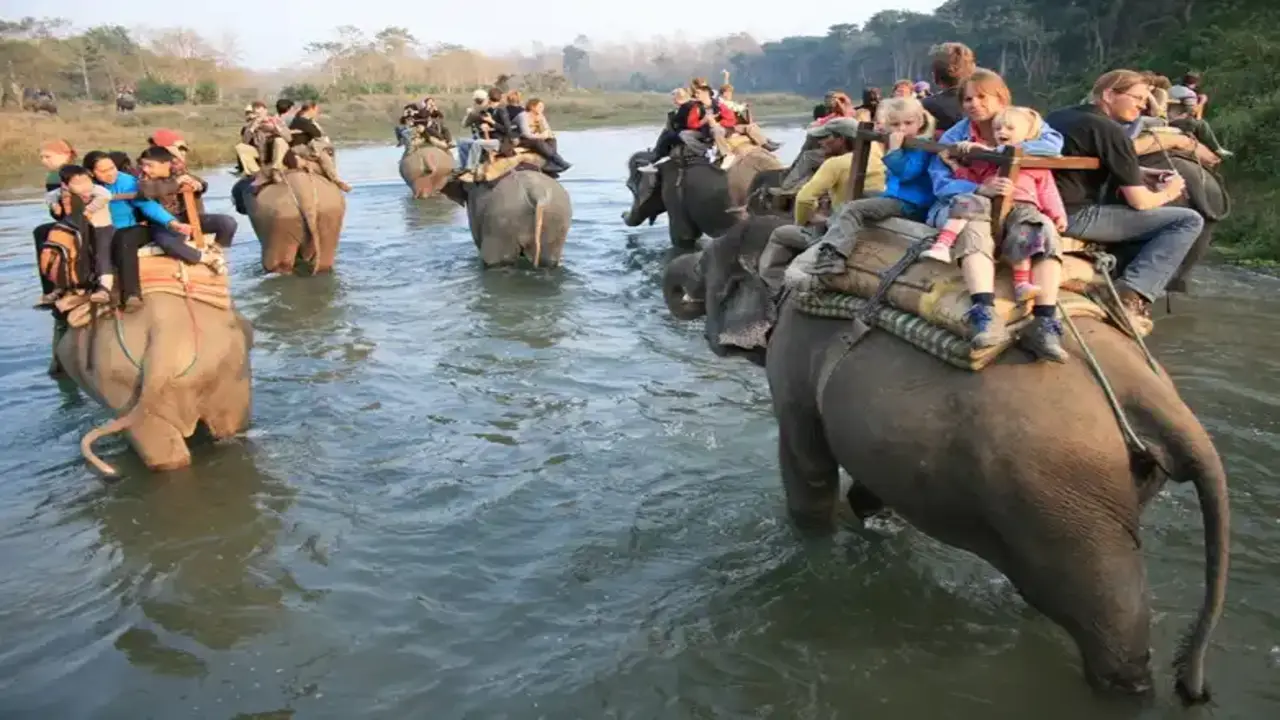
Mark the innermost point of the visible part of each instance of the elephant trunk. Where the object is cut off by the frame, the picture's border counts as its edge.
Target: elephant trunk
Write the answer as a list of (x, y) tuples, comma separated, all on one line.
[(683, 287), (1199, 461)]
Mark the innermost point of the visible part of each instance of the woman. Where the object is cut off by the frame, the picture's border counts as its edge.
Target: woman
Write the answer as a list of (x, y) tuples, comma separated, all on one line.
[(983, 96), (670, 134), (535, 134), (125, 208)]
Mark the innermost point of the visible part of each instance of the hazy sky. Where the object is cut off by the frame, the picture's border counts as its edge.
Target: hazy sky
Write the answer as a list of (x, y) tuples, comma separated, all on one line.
[(272, 33)]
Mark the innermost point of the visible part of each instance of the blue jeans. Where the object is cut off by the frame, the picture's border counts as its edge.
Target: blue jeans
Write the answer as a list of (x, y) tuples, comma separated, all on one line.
[(464, 149), (1166, 234)]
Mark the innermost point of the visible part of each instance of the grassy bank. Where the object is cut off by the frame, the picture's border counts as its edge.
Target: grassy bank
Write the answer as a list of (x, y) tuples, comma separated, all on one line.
[(212, 131)]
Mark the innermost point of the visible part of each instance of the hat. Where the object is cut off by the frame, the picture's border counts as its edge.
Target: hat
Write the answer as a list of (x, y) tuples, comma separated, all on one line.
[(480, 95), (921, 86), (165, 137), (847, 127)]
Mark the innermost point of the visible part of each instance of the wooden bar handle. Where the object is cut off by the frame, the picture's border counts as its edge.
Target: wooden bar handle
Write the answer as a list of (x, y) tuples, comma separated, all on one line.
[(193, 218)]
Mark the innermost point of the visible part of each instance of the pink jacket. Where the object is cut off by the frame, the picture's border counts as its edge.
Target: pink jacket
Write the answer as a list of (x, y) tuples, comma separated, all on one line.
[(1032, 186)]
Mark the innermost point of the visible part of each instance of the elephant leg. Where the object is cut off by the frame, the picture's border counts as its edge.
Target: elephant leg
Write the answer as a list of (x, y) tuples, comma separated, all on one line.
[(1087, 576), (225, 409), (159, 443), (280, 257), (862, 501), (810, 474)]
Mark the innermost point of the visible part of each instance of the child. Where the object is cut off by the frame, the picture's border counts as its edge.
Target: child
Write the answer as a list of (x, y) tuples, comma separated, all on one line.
[(1035, 190), (159, 183), (1031, 231), (78, 182), (746, 125), (908, 191)]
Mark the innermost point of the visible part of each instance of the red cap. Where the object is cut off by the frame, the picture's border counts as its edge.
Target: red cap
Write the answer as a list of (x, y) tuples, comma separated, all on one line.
[(165, 137)]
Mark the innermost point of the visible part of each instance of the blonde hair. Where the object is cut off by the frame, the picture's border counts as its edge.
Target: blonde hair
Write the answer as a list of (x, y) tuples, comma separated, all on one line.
[(906, 106), (1034, 122), (1117, 81), (990, 82), (514, 98)]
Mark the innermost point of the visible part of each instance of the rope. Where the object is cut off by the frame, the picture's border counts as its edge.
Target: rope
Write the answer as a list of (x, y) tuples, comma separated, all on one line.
[(195, 329), (1105, 263), (1131, 438)]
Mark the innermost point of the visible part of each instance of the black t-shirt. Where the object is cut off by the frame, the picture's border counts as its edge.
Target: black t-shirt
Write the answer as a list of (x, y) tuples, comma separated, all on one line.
[(304, 131), (1087, 132), (946, 107)]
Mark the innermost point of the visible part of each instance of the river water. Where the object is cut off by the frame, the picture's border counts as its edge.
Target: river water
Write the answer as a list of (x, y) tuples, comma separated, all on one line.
[(510, 494)]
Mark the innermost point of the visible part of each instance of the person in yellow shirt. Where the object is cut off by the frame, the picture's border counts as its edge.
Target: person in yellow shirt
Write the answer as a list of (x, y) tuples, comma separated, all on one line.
[(832, 178)]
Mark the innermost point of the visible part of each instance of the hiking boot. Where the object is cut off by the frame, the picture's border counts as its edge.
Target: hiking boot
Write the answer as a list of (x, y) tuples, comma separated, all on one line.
[(1138, 309), (1022, 292), (133, 303), (1043, 338), (829, 261), (987, 329), (939, 252)]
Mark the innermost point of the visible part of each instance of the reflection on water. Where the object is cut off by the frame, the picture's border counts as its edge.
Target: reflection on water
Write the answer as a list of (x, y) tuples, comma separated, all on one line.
[(522, 494)]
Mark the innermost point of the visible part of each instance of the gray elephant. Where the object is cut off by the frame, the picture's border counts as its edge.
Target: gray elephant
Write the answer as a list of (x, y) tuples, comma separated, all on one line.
[(524, 213), (1021, 464), (1206, 194), (165, 367), (698, 198), (426, 169), (299, 219)]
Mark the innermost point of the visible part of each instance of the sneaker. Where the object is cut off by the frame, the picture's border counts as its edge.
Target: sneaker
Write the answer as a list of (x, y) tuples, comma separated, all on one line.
[(1043, 338), (47, 300), (467, 177), (1225, 153), (1138, 309), (101, 296), (939, 252), (772, 146), (987, 329), (648, 169), (1022, 292)]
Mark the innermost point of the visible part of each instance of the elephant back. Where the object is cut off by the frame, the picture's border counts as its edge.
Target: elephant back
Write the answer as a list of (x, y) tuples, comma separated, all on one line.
[(1206, 190), (424, 161), (306, 205)]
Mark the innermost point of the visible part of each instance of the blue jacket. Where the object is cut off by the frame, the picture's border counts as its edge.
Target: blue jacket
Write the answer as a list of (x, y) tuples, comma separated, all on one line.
[(907, 177), (122, 211), (947, 186)]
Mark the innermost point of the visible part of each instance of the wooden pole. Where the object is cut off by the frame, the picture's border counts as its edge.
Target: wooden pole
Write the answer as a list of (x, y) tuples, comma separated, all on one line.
[(193, 219)]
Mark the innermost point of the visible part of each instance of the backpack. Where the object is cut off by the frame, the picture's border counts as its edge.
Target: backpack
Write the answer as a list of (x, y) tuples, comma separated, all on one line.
[(63, 258)]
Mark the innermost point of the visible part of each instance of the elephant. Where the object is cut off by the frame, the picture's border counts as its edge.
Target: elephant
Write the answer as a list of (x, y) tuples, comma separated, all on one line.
[(426, 169), (1206, 194), (126, 102), (716, 199), (299, 219), (37, 101), (1021, 464), (525, 212), (197, 370)]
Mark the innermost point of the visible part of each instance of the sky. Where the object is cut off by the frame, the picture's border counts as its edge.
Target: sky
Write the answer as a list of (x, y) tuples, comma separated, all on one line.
[(274, 35)]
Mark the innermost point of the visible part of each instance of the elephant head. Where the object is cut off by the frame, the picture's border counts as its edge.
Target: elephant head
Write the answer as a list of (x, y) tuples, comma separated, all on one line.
[(299, 219), (723, 283), (646, 195), (1206, 194), (525, 213)]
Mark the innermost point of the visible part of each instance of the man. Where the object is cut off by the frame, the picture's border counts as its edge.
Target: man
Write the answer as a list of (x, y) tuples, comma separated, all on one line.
[(490, 126), (1123, 201), (263, 139), (1183, 102), (309, 141), (431, 120), (953, 63)]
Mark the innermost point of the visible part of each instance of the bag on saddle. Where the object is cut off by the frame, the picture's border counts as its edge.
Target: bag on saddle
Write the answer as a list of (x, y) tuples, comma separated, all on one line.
[(64, 258)]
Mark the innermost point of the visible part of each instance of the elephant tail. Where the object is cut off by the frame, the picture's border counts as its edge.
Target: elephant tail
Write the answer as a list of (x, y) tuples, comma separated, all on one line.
[(308, 210), (539, 203), (119, 424), (1197, 460)]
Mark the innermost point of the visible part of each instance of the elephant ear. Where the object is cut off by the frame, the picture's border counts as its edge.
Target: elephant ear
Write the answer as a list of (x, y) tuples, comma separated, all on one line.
[(455, 192)]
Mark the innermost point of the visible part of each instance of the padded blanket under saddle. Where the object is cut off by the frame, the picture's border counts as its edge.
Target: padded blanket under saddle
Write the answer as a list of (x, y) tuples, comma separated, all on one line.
[(498, 167), (927, 303), (159, 274)]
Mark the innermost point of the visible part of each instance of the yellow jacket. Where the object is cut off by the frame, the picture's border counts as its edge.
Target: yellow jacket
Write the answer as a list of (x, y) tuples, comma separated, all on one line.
[(833, 177)]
